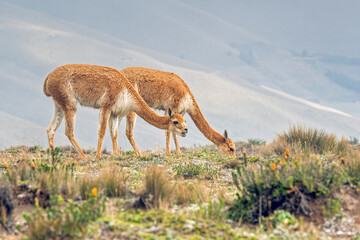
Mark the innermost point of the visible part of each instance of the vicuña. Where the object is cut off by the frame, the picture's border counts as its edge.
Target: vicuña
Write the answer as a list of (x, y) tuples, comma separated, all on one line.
[(162, 90), (103, 88)]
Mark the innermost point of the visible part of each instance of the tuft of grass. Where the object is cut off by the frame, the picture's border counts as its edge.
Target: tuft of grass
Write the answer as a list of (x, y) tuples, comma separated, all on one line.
[(158, 187), (113, 182), (214, 210), (191, 192), (58, 181), (86, 184), (309, 140), (352, 167)]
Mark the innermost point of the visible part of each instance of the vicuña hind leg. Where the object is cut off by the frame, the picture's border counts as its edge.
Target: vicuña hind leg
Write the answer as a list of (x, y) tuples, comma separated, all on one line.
[(69, 130), (130, 123), (103, 119), (176, 140), (167, 134), (54, 124), (114, 122)]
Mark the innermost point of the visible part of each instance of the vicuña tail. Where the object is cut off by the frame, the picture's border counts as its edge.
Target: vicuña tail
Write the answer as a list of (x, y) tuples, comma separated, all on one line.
[(46, 92)]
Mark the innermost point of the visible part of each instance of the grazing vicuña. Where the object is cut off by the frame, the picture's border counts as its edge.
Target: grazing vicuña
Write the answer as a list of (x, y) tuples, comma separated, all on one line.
[(103, 88)]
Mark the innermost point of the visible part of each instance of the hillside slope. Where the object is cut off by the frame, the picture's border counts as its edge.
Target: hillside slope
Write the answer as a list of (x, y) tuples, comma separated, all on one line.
[(237, 89)]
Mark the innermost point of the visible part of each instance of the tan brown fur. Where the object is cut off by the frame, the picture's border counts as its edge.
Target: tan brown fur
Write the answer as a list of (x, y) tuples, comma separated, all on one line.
[(162, 90), (103, 88)]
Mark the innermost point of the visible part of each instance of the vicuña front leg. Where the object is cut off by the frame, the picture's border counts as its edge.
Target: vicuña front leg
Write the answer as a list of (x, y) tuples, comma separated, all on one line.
[(176, 140), (167, 134), (130, 122), (69, 130), (103, 119), (114, 122)]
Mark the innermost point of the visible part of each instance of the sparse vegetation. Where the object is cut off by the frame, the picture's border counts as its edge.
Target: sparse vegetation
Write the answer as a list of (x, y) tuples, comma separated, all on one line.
[(191, 170), (353, 140), (310, 139), (199, 195), (63, 220)]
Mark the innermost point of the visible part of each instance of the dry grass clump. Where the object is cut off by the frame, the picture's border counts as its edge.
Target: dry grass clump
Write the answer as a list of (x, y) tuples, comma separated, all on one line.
[(113, 182), (191, 192), (302, 138), (161, 192), (59, 181), (157, 188), (85, 185), (352, 166)]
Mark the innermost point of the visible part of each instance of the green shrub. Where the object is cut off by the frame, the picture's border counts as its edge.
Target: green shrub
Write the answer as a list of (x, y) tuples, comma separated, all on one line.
[(281, 218), (63, 221), (270, 186), (56, 155)]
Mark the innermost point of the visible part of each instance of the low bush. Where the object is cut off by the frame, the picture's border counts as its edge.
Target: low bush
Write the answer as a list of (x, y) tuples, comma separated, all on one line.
[(63, 221), (272, 186)]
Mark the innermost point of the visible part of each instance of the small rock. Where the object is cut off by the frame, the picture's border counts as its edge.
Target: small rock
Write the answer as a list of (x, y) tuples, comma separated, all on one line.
[(189, 224), (22, 195), (153, 229)]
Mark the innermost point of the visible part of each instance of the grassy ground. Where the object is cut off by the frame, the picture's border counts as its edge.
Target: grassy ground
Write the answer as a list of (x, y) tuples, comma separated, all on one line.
[(303, 185)]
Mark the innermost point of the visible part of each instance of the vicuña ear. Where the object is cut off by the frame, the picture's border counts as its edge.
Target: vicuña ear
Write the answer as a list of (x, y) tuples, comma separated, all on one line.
[(170, 113), (226, 135)]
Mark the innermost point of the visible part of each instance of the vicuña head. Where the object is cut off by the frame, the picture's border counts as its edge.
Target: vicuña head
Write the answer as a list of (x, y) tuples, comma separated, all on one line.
[(177, 125), (227, 146), (103, 88)]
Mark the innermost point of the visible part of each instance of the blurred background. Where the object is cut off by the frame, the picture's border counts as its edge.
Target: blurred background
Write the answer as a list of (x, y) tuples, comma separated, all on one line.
[(254, 67)]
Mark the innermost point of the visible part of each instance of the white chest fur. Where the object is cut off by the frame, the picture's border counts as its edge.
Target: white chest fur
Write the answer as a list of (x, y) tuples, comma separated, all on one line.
[(124, 104), (186, 104)]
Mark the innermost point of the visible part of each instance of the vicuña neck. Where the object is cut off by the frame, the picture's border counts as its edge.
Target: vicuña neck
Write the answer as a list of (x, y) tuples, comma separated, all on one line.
[(151, 117), (203, 125)]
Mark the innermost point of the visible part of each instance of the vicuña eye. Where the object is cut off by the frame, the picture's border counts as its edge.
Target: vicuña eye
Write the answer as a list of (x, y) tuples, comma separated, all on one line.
[(231, 149), (175, 122)]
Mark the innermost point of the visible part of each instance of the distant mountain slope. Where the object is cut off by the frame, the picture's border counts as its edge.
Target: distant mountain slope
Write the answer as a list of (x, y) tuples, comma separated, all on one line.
[(296, 47), (16, 131), (242, 82)]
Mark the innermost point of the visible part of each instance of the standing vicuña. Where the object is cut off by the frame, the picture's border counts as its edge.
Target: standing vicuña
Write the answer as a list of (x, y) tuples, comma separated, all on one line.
[(104, 88), (162, 90)]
